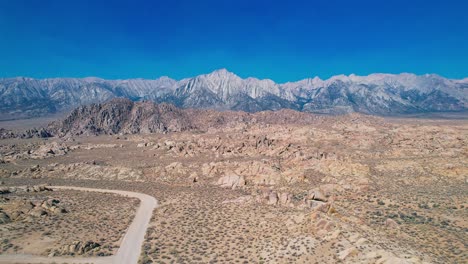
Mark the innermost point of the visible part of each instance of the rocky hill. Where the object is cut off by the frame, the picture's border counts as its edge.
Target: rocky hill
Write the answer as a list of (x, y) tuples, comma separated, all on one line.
[(381, 94), (123, 116)]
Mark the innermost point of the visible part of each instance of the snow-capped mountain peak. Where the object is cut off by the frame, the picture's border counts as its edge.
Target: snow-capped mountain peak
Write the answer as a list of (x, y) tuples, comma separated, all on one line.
[(377, 93)]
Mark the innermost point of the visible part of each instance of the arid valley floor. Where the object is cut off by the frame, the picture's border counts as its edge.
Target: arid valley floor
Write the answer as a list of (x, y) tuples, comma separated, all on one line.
[(336, 189)]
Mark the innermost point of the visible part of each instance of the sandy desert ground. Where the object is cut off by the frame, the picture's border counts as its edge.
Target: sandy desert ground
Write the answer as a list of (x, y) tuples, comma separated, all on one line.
[(346, 189)]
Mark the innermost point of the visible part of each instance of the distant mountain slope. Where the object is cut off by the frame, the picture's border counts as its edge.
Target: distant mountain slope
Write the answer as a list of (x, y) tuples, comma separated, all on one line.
[(381, 94)]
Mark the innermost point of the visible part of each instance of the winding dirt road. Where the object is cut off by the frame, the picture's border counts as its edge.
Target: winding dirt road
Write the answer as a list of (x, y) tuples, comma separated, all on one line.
[(130, 248)]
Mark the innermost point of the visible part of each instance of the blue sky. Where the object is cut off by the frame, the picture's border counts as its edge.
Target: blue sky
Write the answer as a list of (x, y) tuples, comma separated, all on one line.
[(280, 40)]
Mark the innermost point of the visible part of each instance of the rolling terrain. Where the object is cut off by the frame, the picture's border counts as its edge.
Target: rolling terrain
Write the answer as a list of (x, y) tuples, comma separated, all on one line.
[(266, 187)]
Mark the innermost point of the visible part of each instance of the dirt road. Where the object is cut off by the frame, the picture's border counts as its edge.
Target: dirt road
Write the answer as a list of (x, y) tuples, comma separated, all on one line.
[(130, 248)]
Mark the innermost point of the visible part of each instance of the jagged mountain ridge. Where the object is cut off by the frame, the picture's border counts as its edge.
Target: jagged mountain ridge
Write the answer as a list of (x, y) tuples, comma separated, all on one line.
[(381, 94)]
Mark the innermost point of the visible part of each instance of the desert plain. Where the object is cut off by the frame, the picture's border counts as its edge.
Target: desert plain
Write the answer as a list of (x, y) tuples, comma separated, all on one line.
[(332, 189)]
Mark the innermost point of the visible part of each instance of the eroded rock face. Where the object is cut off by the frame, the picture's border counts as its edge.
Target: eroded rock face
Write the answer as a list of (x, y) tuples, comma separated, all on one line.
[(232, 181), (122, 116), (272, 197), (285, 198), (316, 195), (323, 224)]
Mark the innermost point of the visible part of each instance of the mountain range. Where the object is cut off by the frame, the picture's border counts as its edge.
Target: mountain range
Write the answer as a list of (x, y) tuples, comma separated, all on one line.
[(378, 94)]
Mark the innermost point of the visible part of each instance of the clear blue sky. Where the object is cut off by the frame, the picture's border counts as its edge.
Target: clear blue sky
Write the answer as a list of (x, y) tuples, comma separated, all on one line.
[(281, 40)]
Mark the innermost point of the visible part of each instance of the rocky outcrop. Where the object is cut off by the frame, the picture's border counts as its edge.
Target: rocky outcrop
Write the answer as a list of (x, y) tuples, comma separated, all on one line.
[(314, 200), (37, 212), (4, 190), (122, 116), (38, 188), (29, 133), (321, 223), (34, 188), (29, 210), (316, 195), (4, 218), (231, 181), (77, 248), (53, 206), (272, 197), (48, 150)]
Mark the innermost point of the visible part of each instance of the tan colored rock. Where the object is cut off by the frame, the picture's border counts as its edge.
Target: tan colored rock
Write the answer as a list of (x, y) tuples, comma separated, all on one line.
[(273, 198), (330, 189), (176, 168), (319, 206), (231, 181), (322, 226), (392, 224), (319, 196), (193, 177), (50, 149), (37, 212), (349, 252), (285, 198)]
